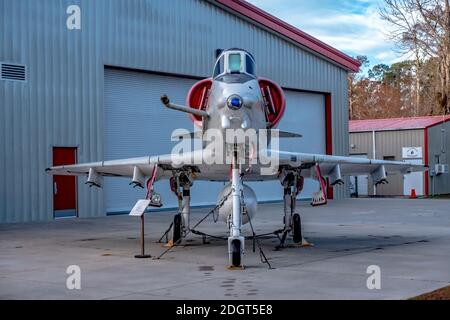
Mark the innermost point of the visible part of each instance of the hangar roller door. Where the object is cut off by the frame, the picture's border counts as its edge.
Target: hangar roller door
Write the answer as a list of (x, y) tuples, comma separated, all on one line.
[(136, 124)]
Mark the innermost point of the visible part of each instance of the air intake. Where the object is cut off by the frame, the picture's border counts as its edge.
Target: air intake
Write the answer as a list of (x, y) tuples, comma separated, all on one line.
[(15, 72)]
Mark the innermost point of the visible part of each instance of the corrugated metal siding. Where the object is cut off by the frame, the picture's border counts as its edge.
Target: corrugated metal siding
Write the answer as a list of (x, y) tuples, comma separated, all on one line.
[(62, 101), (361, 144), (388, 143), (57, 106), (439, 144)]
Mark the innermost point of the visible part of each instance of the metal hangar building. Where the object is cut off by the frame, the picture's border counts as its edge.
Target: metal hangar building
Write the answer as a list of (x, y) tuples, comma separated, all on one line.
[(92, 92), (423, 140)]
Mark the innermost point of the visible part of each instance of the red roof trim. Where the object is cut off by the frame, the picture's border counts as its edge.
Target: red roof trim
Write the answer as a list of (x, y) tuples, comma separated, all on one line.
[(285, 29), (396, 123), (446, 119)]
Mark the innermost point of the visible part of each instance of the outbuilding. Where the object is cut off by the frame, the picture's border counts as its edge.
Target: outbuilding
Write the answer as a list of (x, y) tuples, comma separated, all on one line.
[(424, 140), (81, 81)]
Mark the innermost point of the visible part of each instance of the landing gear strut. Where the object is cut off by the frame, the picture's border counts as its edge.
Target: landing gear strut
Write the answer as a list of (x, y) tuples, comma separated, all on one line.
[(236, 241)]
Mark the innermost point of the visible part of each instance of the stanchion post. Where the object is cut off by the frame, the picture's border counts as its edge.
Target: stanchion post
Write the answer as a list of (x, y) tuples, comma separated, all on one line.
[(142, 255)]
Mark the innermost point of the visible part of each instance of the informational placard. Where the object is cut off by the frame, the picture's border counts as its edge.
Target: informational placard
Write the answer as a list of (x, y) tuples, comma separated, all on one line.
[(412, 153), (139, 208)]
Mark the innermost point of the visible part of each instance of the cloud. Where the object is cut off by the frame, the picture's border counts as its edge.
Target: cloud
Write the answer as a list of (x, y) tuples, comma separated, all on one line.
[(354, 27)]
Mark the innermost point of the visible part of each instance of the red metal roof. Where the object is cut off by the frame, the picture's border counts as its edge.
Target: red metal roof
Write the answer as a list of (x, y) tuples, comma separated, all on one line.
[(254, 13), (396, 123)]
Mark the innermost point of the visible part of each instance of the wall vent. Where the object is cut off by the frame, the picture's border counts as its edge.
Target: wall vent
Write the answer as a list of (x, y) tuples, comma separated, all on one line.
[(15, 72)]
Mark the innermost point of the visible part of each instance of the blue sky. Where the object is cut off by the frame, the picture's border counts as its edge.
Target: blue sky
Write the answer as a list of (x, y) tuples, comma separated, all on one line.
[(352, 26)]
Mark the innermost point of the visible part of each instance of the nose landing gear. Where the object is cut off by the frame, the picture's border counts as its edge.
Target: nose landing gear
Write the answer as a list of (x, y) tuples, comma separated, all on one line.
[(236, 241)]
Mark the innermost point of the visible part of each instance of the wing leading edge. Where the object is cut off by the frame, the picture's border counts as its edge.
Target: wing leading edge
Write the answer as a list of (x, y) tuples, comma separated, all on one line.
[(332, 167)]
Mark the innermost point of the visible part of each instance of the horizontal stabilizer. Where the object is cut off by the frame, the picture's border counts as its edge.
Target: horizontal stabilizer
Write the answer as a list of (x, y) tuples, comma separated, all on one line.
[(285, 134), (190, 135), (198, 135)]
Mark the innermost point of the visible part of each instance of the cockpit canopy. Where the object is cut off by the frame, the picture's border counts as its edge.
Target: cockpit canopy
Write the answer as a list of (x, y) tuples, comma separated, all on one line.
[(235, 62)]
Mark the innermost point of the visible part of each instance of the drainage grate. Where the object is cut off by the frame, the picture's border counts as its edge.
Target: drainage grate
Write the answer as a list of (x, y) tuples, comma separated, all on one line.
[(14, 72)]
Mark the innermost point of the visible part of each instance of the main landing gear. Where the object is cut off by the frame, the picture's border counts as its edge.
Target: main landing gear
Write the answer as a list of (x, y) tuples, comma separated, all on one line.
[(181, 184), (292, 183)]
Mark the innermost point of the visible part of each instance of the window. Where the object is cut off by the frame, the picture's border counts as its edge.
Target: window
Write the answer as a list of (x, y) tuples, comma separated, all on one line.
[(389, 158), (234, 63), (249, 65)]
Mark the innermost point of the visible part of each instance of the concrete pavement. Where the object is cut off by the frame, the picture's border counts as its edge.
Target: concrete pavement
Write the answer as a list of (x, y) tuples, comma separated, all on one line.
[(408, 239)]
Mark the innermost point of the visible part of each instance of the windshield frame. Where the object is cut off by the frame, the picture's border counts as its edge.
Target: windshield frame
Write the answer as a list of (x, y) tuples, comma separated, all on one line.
[(225, 67)]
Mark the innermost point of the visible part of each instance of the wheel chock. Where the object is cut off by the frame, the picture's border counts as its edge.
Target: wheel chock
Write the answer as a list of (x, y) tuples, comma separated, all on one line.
[(233, 268), (169, 244)]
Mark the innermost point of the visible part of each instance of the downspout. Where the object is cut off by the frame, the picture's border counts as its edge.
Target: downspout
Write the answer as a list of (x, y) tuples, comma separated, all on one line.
[(374, 155)]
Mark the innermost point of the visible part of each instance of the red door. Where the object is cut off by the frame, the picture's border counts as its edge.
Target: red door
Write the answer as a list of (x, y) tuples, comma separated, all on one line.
[(64, 187)]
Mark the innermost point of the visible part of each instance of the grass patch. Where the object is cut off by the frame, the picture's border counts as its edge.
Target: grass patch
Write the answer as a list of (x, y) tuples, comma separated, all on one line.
[(440, 294)]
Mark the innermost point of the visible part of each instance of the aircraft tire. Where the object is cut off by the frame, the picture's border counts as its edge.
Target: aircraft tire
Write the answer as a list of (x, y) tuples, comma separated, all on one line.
[(297, 228), (177, 228), (236, 253)]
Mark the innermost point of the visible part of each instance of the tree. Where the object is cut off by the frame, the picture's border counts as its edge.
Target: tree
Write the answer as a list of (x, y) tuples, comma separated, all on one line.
[(422, 28), (353, 79), (390, 91), (377, 72)]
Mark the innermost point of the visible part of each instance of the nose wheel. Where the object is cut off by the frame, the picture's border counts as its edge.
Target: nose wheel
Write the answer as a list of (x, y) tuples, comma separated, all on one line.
[(236, 253)]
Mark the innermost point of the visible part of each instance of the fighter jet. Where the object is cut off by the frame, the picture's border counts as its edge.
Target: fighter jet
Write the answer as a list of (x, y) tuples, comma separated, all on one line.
[(236, 113)]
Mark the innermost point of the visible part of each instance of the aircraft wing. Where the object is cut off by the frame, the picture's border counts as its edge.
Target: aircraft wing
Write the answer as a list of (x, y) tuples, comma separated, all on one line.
[(334, 167), (138, 169), (113, 168)]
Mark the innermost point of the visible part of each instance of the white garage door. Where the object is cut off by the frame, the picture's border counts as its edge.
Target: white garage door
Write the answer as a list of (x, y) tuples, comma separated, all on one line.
[(136, 124)]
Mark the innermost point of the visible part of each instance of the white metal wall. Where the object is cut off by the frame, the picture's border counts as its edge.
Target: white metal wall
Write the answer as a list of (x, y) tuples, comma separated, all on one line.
[(136, 124)]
